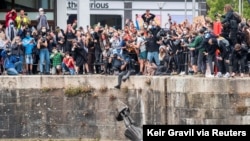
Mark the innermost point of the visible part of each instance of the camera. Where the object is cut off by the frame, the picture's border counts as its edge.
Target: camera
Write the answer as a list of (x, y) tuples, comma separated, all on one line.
[(115, 55), (43, 39)]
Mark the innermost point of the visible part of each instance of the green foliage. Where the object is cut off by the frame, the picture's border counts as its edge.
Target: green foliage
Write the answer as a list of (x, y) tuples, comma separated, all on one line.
[(74, 91), (46, 89), (217, 6)]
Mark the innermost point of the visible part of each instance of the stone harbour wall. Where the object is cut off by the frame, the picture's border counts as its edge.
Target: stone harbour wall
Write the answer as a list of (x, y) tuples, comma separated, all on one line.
[(76, 107), (83, 108), (208, 101)]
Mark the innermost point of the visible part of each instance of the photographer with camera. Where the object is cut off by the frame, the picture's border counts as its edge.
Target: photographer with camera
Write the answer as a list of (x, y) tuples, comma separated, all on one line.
[(10, 62), (60, 39), (80, 56), (18, 51), (42, 45), (29, 44)]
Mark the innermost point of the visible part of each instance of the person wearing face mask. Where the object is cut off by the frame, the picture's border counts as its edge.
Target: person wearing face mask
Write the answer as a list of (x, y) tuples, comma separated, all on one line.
[(18, 51), (43, 31), (29, 44), (11, 62), (11, 31), (42, 20), (42, 45), (56, 58), (154, 28)]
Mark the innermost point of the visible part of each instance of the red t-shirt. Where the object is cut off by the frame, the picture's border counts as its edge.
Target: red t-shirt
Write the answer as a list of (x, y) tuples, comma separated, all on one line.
[(69, 62)]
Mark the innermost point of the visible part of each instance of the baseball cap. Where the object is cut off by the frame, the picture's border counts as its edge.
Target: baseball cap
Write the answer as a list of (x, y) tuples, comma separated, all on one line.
[(40, 9)]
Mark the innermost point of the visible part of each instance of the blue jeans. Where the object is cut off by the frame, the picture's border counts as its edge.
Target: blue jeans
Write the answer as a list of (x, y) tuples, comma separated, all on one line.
[(154, 55), (19, 68), (13, 71), (44, 56), (70, 70)]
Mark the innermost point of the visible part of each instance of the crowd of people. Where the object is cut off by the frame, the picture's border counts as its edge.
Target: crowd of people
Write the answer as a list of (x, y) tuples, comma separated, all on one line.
[(179, 49)]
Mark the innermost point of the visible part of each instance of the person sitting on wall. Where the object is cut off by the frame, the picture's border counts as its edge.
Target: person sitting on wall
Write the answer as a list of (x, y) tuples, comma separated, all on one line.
[(125, 71)]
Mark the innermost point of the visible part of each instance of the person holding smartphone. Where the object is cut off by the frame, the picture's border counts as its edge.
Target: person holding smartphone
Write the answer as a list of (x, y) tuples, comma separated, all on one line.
[(29, 44)]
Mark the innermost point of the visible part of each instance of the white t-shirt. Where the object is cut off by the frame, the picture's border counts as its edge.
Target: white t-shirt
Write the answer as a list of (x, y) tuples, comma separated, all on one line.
[(141, 41)]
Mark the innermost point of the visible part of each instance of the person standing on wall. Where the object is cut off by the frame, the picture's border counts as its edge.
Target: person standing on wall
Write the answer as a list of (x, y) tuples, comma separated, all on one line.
[(29, 44), (10, 16), (230, 25), (11, 31), (42, 20), (22, 19), (147, 17)]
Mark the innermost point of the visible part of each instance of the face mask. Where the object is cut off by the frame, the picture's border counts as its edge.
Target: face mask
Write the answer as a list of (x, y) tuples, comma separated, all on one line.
[(55, 51), (43, 30), (12, 25), (9, 53), (28, 35)]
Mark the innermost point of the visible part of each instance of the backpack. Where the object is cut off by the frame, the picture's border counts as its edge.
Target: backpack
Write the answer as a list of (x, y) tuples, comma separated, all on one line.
[(224, 45), (237, 17)]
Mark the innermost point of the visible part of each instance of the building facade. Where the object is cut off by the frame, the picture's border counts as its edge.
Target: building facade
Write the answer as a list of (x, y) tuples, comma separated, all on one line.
[(115, 12), (110, 12), (31, 8)]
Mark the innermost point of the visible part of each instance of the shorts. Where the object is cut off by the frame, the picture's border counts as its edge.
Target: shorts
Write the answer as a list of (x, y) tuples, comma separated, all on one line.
[(194, 60), (28, 59), (143, 55), (55, 69)]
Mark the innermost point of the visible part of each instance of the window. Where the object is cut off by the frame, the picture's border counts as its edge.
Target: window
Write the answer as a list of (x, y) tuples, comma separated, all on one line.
[(28, 5)]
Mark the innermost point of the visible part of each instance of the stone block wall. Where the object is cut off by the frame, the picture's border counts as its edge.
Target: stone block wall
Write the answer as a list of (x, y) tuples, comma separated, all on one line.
[(40, 107), (208, 101)]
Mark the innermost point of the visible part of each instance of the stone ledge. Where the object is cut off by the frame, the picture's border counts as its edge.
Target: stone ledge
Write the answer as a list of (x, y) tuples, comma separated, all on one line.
[(96, 81), (181, 84), (57, 140)]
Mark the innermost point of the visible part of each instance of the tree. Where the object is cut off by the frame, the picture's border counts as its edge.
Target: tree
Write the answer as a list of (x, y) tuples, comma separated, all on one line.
[(217, 6)]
